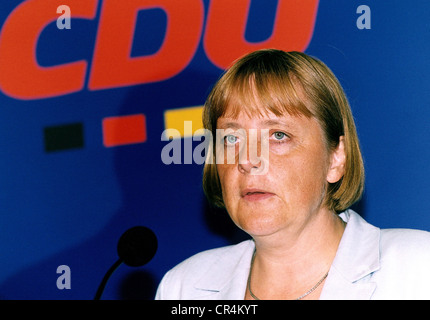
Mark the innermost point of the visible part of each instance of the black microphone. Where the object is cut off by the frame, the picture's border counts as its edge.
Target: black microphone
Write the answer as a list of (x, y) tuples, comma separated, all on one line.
[(136, 247)]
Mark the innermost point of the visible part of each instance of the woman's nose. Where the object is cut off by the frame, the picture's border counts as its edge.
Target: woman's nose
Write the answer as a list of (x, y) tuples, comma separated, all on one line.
[(254, 158), (246, 166)]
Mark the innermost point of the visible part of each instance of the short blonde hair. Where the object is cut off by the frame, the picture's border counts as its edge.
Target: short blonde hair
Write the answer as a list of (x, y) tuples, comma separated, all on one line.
[(280, 82)]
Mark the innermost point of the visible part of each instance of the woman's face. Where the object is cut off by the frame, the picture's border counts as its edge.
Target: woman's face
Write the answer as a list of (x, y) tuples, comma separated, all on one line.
[(292, 189)]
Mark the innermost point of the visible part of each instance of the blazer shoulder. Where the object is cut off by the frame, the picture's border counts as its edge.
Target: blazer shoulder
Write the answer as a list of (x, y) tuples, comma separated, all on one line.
[(405, 238), (407, 244)]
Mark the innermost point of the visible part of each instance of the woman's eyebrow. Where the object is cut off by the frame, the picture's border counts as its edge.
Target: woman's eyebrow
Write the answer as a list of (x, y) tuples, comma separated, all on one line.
[(275, 122), (262, 124), (229, 124)]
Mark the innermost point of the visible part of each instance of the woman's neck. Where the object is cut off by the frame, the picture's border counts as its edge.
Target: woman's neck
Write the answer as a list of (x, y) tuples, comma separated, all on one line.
[(291, 262)]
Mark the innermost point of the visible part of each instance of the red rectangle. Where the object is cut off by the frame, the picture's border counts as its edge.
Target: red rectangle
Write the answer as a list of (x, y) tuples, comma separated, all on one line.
[(123, 130)]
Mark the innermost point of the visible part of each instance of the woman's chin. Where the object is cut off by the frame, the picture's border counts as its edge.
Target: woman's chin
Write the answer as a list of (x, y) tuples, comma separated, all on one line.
[(259, 224)]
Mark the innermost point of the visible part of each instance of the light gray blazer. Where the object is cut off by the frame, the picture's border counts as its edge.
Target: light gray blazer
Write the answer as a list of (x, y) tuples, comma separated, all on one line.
[(370, 263)]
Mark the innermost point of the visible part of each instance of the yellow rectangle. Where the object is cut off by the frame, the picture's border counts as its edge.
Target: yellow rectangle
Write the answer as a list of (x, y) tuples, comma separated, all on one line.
[(177, 121)]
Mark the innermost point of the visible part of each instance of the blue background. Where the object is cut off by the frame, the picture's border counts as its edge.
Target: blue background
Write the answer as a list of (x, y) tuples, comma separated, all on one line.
[(70, 207)]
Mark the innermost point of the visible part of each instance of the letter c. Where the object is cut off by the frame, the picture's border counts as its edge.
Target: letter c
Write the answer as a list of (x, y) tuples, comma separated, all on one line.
[(216, 309), (21, 77)]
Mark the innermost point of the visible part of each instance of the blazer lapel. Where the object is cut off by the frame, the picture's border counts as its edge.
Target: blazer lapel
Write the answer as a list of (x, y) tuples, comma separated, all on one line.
[(356, 259), (227, 278), (337, 287)]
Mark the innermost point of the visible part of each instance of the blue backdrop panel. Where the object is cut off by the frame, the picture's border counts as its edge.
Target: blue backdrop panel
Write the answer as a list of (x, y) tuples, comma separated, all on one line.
[(67, 202)]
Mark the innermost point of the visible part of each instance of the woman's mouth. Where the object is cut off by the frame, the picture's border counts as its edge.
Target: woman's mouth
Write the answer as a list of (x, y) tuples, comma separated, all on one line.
[(255, 194)]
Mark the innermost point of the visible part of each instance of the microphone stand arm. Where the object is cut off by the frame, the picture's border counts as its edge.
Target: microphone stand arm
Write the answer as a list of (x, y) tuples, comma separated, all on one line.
[(106, 278)]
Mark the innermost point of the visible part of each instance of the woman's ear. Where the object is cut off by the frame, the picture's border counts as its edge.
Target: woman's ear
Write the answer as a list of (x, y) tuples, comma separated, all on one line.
[(337, 162)]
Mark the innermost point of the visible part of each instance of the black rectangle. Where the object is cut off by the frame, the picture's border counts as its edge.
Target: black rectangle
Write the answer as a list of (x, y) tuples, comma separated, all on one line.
[(64, 137)]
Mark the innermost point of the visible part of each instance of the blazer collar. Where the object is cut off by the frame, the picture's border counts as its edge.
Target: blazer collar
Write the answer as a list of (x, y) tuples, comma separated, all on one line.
[(356, 258), (228, 276)]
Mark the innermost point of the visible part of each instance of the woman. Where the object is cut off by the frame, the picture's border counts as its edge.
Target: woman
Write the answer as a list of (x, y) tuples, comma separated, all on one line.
[(306, 243)]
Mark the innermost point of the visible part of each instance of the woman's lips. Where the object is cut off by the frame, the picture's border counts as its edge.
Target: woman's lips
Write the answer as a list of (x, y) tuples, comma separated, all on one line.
[(255, 194)]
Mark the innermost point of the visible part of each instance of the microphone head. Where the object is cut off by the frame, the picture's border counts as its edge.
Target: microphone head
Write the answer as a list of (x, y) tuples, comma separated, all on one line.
[(137, 246)]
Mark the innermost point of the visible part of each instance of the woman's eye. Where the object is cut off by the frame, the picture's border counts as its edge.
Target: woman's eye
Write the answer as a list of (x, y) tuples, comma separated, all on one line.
[(279, 135), (230, 139)]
